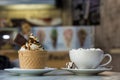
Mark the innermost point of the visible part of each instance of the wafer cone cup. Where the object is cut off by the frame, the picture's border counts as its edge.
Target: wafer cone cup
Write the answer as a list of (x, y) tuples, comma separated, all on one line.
[(32, 59)]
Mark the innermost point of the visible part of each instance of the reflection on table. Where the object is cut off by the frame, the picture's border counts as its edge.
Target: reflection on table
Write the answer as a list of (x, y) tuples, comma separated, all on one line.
[(61, 75)]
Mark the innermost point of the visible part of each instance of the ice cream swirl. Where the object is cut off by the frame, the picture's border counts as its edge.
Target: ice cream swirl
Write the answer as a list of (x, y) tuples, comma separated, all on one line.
[(32, 44)]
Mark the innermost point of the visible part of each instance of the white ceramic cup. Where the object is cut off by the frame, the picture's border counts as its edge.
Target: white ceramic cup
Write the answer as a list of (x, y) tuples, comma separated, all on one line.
[(88, 59)]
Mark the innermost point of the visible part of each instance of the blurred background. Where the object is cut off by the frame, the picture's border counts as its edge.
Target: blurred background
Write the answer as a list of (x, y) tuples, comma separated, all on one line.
[(60, 25)]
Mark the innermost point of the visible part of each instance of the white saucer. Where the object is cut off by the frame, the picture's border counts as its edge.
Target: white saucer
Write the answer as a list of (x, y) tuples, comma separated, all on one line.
[(87, 71), (29, 71)]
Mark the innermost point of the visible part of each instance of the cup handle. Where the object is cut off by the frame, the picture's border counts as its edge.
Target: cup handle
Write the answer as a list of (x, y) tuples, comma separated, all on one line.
[(110, 59)]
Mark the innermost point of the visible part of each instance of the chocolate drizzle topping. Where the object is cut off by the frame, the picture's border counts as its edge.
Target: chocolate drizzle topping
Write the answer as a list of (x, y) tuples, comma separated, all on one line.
[(33, 40)]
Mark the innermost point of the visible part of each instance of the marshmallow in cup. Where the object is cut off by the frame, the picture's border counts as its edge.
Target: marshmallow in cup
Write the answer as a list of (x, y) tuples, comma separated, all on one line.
[(88, 58)]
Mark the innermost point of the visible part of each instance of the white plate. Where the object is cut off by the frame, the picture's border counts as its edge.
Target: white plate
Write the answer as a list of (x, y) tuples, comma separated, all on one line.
[(29, 71), (87, 71)]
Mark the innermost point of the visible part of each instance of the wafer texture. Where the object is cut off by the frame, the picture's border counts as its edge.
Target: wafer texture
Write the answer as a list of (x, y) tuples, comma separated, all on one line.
[(32, 59)]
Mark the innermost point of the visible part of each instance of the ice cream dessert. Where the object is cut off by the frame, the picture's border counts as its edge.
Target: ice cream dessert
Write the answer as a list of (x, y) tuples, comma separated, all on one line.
[(32, 44), (32, 55)]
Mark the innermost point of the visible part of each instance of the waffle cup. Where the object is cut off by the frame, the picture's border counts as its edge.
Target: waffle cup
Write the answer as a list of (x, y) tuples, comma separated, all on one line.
[(32, 59)]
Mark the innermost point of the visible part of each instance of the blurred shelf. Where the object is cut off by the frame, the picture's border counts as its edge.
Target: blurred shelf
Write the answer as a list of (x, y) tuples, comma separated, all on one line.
[(11, 54), (7, 51), (15, 51), (116, 51), (56, 59)]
